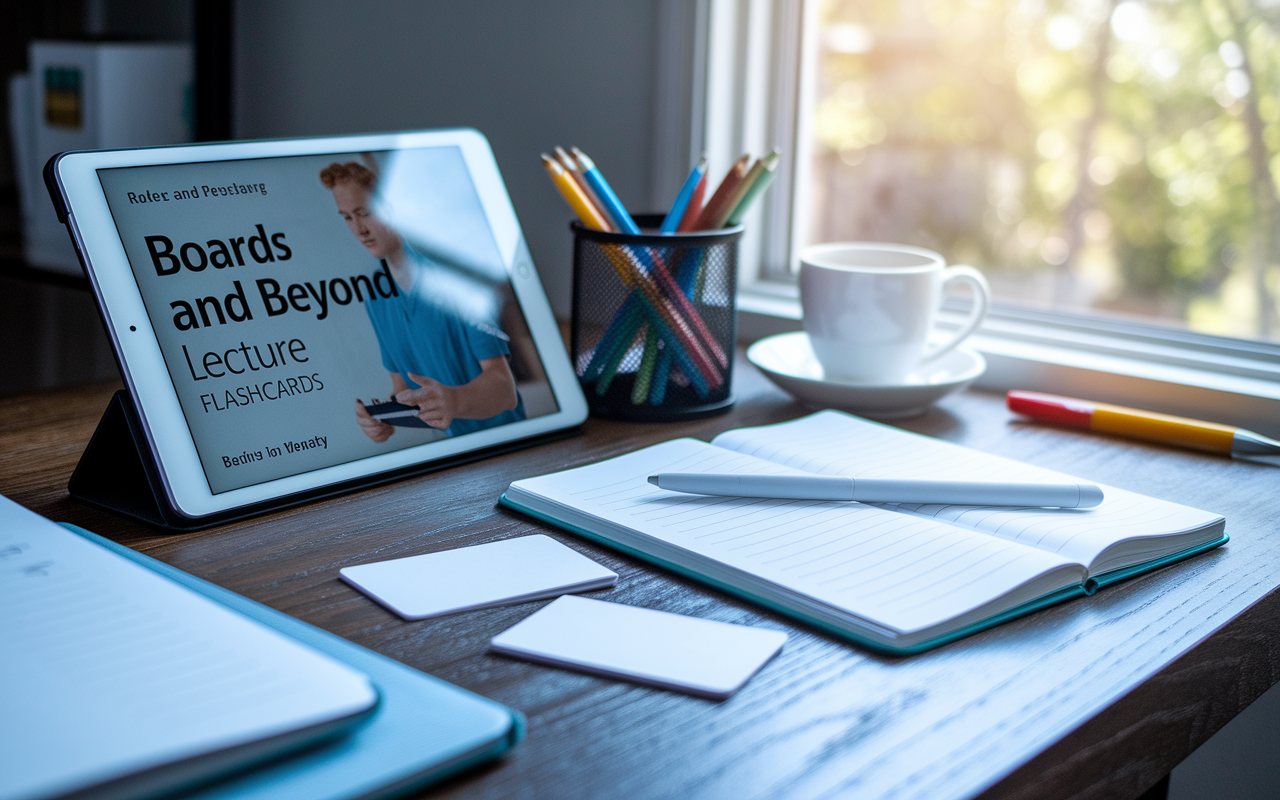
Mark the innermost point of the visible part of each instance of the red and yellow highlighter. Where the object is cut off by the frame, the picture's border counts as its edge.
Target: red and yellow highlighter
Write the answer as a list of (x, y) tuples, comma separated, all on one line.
[(1150, 426)]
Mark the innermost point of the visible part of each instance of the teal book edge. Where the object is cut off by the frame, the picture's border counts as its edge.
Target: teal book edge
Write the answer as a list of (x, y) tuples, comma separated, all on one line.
[(423, 730), (1053, 598)]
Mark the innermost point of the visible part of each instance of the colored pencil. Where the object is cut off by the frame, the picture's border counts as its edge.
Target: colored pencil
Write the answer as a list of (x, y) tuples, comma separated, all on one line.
[(662, 305), (620, 332), (659, 309), (650, 261), (629, 319), (644, 375), (608, 199), (652, 297), (645, 386), (722, 195), (660, 374), (1150, 426), (761, 176), (672, 220), (615, 360), (740, 201), (735, 197), (694, 208), (688, 271), (571, 167), (590, 217), (574, 196)]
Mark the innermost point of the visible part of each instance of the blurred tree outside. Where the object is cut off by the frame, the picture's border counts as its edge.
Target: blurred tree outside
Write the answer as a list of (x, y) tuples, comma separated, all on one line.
[(1088, 155)]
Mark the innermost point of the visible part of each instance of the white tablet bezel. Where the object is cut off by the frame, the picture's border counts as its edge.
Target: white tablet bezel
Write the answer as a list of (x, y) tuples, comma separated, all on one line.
[(147, 377)]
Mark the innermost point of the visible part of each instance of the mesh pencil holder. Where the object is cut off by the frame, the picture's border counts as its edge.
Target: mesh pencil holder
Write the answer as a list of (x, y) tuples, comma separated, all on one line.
[(654, 321)]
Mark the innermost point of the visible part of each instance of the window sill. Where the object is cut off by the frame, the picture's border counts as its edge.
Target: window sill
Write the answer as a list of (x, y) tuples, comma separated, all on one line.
[(1177, 372)]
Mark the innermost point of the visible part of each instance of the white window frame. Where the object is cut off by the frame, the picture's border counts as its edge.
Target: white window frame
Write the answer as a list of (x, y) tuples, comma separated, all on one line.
[(735, 76)]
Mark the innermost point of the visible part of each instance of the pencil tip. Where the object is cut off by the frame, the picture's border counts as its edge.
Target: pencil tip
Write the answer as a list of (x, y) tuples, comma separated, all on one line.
[(653, 479), (565, 159)]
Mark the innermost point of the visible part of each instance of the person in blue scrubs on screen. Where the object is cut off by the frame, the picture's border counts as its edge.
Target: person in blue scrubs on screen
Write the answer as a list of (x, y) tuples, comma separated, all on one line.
[(455, 371)]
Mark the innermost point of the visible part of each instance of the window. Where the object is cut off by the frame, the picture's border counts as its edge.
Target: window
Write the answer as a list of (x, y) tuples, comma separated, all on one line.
[(1108, 163), (1088, 155)]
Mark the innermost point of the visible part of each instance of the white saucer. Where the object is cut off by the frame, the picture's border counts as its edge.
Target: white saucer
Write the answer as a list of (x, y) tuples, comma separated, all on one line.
[(788, 360)]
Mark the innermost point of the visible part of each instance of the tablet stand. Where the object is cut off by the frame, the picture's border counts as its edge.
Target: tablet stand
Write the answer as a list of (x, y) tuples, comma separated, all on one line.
[(118, 473)]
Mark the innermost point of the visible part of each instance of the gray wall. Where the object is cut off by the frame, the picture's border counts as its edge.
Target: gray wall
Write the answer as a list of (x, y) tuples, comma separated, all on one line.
[(527, 75), (52, 335)]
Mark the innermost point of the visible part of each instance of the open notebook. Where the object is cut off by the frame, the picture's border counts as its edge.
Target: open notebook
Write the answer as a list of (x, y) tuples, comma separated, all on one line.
[(899, 578)]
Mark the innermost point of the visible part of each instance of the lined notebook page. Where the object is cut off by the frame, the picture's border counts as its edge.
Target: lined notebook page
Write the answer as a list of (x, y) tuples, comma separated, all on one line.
[(832, 443), (110, 668), (902, 571)]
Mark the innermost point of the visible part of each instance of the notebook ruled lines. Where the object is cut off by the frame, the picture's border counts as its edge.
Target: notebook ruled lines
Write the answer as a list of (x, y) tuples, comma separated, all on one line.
[(792, 542), (125, 669), (59, 626), (876, 562), (900, 574), (898, 540), (836, 444), (926, 598)]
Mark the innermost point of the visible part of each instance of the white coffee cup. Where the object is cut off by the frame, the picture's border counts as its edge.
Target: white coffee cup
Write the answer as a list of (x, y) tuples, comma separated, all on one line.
[(869, 307)]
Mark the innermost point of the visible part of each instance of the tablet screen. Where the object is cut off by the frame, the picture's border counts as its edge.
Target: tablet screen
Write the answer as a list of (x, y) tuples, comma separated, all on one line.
[(316, 310)]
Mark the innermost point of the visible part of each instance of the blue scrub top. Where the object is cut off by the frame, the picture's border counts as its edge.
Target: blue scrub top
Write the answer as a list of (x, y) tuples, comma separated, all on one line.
[(421, 337)]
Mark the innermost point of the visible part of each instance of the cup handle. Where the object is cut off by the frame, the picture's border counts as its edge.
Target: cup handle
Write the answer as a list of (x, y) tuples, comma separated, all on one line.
[(951, 276)]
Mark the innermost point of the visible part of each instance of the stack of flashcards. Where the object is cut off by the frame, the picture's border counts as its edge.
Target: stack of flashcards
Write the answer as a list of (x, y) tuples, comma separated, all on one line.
[(498, 573), (665, 284), (698, 656)]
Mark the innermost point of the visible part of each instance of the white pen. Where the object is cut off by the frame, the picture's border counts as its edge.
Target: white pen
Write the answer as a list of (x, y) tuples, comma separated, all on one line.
[(875, 490)]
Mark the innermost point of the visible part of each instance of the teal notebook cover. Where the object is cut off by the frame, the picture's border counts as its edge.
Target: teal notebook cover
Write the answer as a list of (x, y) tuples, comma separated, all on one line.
[(423, 730), (1081, 590)]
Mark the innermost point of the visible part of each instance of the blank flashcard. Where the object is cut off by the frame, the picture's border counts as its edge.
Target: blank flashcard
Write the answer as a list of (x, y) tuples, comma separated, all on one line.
[(509, 571), (697, 656)]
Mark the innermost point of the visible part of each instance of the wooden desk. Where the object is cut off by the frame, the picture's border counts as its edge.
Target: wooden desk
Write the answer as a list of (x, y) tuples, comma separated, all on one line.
[(1100, 697)]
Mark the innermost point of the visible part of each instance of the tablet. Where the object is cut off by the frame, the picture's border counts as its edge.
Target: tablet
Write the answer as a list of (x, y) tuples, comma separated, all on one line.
[(262, 296)]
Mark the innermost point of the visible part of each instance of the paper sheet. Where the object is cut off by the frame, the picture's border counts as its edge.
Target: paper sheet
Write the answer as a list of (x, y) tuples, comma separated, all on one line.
[(698, 656), (509, 571), (110, 669)]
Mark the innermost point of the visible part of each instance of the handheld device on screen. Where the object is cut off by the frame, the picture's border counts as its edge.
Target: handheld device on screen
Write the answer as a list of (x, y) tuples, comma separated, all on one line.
[(394, 413), (252, 291)]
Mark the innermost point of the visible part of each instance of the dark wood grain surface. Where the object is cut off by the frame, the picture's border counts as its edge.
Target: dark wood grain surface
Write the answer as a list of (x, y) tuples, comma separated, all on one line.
[(1100, 697)]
